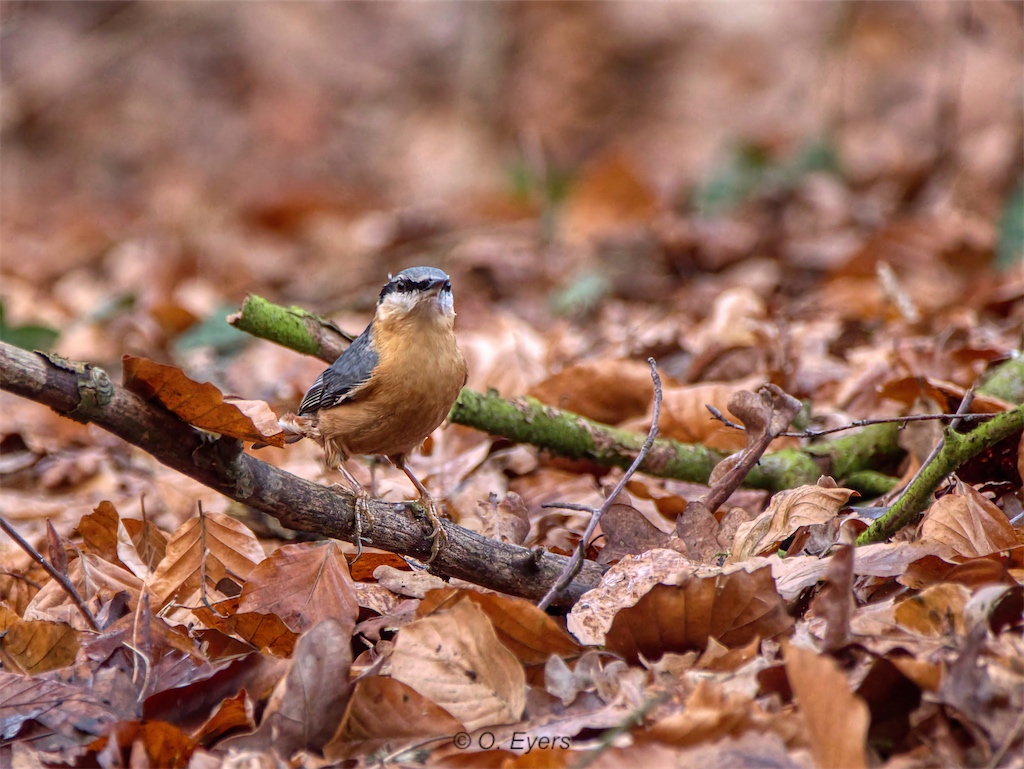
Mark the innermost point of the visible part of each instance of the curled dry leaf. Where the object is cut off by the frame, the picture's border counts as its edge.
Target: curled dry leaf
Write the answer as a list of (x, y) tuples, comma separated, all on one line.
[(303, 584), (532, 635), (137, 545), (201, 404), (383, 711), (308, 703), (134, 743), (733, 609), (623, 585), (787, 512), (96, 580), (454, 659), (231, 715), (969, 523)]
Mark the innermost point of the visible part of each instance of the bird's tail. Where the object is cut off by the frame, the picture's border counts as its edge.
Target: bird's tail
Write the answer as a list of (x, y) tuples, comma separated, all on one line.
[(296, 426)]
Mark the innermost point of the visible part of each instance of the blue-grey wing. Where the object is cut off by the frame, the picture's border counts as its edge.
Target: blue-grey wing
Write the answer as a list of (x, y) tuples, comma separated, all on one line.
[(337, 383)]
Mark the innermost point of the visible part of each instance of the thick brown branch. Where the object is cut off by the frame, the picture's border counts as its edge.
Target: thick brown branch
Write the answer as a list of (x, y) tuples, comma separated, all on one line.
[(296, 503)]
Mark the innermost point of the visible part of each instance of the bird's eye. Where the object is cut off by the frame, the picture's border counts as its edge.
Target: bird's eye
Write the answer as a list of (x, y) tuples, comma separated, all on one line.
[(447, 285)]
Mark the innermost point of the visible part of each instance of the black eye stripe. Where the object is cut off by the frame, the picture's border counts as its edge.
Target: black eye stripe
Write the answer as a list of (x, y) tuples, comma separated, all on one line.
[(404, 285)]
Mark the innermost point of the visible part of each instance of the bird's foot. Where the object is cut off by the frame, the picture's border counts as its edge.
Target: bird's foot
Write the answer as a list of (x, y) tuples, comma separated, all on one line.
[(438, 537), (362, 515)]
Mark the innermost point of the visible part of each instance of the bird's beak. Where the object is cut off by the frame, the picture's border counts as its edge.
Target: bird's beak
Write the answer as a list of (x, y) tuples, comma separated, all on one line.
[(435, 287)]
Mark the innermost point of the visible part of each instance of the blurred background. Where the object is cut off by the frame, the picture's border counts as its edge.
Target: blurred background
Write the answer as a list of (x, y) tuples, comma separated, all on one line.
[(160, 159), (783, 190)]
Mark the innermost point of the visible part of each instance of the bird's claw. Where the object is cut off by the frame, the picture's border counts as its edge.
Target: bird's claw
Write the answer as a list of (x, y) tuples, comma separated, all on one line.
[(361, 514), (438, 536)]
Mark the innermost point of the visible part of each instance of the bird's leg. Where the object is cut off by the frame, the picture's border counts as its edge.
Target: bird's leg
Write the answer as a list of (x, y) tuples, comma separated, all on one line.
[(361, 508), (437, 536)]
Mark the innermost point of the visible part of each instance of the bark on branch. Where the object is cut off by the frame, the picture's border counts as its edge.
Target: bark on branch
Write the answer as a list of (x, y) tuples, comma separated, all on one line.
[(86, 394)]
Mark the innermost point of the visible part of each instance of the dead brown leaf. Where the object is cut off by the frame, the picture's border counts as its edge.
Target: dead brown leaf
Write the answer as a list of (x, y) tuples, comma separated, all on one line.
[(200, 404), (263, 631), (825, 699), (132, 742), (529, 633), (628, 532), (731, 608), (383, 711), (608, 391), (454, 659), (786, 513), (969, 523), (303, 584), (227, 546), (35, 647), (308, 703)]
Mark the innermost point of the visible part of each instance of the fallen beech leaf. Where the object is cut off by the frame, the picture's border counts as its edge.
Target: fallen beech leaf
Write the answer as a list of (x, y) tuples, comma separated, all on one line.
[(709, 715), (161, 744), (98, 530), (526, 631), (623, 585), (788, 511), (733, 609), (54, 703), (149, 542), (95, 579), (231, 714), (936, 611), (607, 391), (200, 404), (362, 570), (969, 523), (35, 647), (454, 658), (836, 602), (383, 711), (698, 528), (230, 550), (837, 720), (308, 703), (264, 631), (628, 532), (909, 389), (303, 584)]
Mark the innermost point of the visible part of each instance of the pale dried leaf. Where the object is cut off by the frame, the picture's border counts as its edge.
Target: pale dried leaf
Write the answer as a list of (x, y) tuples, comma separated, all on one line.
[(454, 659)]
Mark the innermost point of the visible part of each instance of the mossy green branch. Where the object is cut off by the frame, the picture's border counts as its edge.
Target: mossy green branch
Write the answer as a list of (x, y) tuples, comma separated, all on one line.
[(290, 327), (956, 449), (526, 420)]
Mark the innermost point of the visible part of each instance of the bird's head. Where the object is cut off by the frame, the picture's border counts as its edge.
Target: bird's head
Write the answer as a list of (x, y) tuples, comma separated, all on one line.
[(417, 290)]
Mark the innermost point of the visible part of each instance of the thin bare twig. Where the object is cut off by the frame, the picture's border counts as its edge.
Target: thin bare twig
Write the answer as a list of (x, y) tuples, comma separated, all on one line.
[(61, 579), (576, 562), (857, 422), (957, 418)]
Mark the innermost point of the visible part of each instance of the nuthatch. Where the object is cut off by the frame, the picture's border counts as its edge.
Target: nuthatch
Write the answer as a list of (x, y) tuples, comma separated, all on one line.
[(392, 387)]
